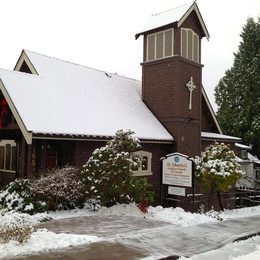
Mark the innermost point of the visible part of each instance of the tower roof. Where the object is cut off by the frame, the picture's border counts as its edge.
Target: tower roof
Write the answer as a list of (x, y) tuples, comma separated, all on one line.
[(176, 15)]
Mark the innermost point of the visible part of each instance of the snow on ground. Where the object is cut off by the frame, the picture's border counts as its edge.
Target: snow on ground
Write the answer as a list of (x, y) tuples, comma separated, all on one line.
[(243, 250), (178, 216), (48, 241), (240, 213)]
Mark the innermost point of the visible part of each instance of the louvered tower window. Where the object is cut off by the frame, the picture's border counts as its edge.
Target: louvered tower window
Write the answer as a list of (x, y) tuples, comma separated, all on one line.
[(160, 45), (190, 45)]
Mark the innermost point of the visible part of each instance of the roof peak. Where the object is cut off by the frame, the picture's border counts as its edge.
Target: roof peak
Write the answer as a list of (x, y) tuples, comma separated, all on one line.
[(79, 65), (174, 8), (175, 15), (19, 72)]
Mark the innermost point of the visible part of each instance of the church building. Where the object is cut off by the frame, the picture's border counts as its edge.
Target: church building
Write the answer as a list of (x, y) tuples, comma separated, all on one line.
[(55, 113)]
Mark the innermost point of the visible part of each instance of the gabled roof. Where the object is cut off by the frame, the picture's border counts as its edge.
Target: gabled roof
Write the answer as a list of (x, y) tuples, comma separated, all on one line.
[(178, 14), (69, 99)]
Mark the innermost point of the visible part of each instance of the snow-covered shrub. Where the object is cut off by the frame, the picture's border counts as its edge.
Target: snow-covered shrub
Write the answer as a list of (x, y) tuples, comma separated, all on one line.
[(20, 234), (16, 226), (108, 174), (18, 196), (59, 188), (92, 204), (217, 170)]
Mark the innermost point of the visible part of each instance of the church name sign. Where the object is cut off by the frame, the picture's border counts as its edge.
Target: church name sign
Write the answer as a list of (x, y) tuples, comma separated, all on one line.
[(177, 170)]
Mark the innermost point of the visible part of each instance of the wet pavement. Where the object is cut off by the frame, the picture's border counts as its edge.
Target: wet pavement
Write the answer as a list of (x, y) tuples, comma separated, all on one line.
[(135, 238), (94, 251)]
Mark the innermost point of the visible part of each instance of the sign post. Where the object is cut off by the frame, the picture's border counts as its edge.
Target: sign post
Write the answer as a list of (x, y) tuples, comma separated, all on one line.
[(177, 173)]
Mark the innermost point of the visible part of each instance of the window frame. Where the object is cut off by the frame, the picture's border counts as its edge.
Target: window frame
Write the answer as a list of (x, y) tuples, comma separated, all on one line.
[(155, 45), (193, 35), (140, 171), (12, 143)]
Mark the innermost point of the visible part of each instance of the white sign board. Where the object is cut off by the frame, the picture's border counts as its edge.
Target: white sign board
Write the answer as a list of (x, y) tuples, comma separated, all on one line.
[(176, 191), (177, 170)]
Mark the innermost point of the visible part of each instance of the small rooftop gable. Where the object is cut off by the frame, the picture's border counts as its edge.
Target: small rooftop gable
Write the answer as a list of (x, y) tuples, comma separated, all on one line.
[(178, 14)]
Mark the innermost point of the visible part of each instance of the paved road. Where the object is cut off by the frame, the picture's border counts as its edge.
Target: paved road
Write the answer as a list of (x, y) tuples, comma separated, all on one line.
[(134, 238)]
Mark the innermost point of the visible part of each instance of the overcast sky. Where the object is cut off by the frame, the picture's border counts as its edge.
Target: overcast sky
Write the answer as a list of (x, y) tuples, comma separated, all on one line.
[(100, 33)]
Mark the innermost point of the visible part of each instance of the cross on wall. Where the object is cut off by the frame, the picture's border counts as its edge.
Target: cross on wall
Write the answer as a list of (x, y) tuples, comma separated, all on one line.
[(191, 86)]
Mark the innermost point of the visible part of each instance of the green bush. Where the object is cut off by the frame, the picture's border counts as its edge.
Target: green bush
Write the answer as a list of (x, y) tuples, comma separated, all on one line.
[(108, 175), (18, 196), (56, 189), (217, 170)]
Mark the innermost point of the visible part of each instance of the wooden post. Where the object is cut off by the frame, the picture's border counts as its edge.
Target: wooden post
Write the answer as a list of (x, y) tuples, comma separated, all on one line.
[(22, 158), (43, 149), (29, 161), (193, 187)]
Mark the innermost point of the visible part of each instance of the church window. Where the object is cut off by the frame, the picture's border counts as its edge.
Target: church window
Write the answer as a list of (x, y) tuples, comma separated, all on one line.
[(7, 155), (189, 44), (160, 45), (146, 167)]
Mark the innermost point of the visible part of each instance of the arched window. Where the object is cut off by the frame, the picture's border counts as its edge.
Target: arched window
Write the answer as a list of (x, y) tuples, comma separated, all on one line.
[(146, 167), (8, 155)]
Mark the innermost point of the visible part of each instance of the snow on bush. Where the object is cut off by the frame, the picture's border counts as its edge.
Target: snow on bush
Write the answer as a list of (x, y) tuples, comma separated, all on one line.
[(18, 226), (108, 175), (219, 162), (59, 188), (18, 196), (56, 189), (217, 169), (20, 234)]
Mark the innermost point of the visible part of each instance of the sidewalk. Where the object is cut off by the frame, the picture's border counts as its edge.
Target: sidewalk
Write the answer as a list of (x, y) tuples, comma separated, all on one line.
[(135, 238)]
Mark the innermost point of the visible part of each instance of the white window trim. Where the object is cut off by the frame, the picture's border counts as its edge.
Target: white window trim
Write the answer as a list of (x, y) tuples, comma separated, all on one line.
[(155, 43), (187, 44), (147, 172), (13, 144)]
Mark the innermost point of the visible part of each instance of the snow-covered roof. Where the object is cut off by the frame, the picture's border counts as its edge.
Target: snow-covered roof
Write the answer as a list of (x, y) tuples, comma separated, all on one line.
[(215, 136), (253, 158), (250, 159), (65, 98), (240, 160), (242, 146), (177, 14)]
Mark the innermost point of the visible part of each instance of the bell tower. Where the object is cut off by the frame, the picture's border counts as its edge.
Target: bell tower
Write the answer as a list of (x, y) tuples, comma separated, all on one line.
[(172, 73)]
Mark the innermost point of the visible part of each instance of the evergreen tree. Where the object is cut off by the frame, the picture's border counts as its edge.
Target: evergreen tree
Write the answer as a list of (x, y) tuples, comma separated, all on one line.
[(238, 92), (217, 171), (108, 175)]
